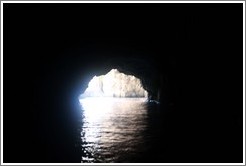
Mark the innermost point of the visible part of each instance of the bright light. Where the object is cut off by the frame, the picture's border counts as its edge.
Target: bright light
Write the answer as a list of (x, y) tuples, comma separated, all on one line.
[(115, 84), (96, 107), (107, 99)]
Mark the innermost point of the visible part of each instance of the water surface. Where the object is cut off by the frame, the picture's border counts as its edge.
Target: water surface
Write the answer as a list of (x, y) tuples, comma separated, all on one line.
[(115, 130)]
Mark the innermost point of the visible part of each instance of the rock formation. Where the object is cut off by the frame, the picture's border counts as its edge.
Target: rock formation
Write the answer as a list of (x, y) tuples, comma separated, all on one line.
[(115, 84)]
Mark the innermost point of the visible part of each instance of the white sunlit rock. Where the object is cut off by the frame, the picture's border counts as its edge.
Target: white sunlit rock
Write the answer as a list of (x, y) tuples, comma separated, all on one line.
[(115, 84)]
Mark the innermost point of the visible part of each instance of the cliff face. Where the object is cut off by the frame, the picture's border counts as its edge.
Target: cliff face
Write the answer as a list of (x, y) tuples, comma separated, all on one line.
[(115, 84)]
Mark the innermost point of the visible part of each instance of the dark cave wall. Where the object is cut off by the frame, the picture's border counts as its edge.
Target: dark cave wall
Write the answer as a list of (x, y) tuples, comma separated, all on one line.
[(175, 79), (60, 89), (66, 83), (187, 56)]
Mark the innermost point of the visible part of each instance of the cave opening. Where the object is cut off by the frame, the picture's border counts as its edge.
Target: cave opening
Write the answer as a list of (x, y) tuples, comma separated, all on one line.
[(115, 84), (114, 113)]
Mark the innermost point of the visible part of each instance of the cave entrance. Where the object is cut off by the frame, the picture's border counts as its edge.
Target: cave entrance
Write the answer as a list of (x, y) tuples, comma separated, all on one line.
[(115, 84), (114, 116)]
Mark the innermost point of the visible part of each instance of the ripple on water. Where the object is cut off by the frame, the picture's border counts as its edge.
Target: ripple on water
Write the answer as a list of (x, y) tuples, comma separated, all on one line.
[(112, 129)]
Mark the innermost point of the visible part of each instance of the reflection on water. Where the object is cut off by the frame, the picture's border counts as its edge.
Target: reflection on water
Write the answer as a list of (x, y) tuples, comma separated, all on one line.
[(113, 129)]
